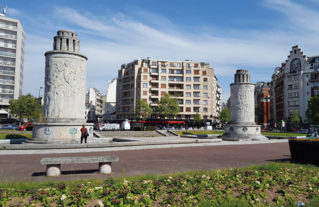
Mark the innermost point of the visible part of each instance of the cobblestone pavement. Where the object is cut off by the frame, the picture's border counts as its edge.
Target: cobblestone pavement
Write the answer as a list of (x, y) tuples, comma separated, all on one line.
[(146, 161)]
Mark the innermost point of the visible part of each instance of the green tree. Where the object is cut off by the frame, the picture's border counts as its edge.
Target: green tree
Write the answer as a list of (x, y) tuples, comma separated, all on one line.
[(142, 109), (26, 106), (312, 112), (295, 118), (197, 117), (168, 106), (224, 115)]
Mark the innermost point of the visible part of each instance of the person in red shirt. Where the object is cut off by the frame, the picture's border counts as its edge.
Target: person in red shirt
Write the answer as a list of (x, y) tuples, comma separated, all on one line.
[(83, 134)]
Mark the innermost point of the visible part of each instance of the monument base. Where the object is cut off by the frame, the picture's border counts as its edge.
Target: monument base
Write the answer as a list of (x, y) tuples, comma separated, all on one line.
[(61, 133), (243, 133)]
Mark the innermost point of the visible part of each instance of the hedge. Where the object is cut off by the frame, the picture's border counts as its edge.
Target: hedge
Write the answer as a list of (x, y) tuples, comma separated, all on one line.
[(304, 150), (148, 128), (29, 128)]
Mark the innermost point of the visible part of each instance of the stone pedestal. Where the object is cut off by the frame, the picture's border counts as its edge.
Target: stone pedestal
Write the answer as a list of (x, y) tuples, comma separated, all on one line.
[(242, 109)]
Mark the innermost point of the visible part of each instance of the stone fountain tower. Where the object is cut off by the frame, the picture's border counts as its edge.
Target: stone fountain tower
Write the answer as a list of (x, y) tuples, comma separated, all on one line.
[(242, 109), (64, 97)]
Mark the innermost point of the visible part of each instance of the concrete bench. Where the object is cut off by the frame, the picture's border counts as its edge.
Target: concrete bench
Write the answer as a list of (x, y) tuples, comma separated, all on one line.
[(54, 164)]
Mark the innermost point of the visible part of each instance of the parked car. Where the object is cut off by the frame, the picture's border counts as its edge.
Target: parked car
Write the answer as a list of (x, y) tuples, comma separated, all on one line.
[(9, 127), (304, 131), (24, 126), (110, 127), (263, 130)]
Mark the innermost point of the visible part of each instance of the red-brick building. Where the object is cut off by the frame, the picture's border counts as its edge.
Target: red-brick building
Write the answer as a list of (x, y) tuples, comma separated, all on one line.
[(262, 102)]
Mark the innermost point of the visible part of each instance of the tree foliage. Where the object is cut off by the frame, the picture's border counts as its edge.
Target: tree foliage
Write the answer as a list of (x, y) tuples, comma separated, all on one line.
[(295, 117), (312, 112), (197, 117), (26, 106), (142, 109), (224, 115), (168, 106)]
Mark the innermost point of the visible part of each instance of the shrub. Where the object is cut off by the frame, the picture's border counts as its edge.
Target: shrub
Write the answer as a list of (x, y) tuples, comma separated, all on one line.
[(138, 128), (150, 128), (29, 128), (304, 150)]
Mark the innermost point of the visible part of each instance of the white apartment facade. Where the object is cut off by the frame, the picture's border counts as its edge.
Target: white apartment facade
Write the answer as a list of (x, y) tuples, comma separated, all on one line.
[(12, 41), (193, 84), (301, 81), (93, 104), (110, 104)]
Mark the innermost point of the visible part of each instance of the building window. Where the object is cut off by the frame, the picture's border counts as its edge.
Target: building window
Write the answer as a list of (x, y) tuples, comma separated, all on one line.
[(179, 79), (205, 102), (196, 86), (144, 77), (163, 78), (188, 94), (163, 93), (196, 94), (154, 70), (163, 85), (187, 116), (295, 66), (171, 78), (179, 72), (188, 109), (154, 63), (205, 80), (145, 93), (296, 94), (144, 85), (188, 79), (179, 65), (196, 79), (196, 102), (171, 71), (188, 72), (180, 109), (163, 64), (205, 95), (145, 70), (205, 87), (290, 95), (178, 117), (204, 109), (204, 72), (188, 65), (289, 87), (171, 65), (163, 70), (188, 101), (196, 72), (188, 87), (196, 109), (195, 65), (296, 85), (180, 101)]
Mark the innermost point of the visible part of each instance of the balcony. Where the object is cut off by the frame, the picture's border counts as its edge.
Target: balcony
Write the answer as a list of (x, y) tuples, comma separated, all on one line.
[(314, 78), (7, 36), (6, 82), (8, 54), (153, 95), (6, 63), (126, 81), (3, 72), (154, 103), (8, 27), (7, 91), (163, 65), (124, 96)]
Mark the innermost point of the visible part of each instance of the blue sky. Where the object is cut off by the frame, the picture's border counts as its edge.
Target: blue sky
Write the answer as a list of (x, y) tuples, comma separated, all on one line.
[(230, 34)]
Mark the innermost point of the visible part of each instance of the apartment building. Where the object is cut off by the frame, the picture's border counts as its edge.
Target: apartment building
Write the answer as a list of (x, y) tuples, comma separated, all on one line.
[(299, 76), (277, 100), (93, 105), (12, 41), (110, 104), (193, 84)]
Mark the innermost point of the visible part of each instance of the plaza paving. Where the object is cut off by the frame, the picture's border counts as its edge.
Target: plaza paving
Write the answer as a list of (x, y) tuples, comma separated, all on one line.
[(24, 165)]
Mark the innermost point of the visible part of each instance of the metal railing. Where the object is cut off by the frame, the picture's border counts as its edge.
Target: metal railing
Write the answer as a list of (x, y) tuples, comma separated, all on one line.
[(7, 63), (4, 100), (6, 82), (8, 27), (3, 72), (6, 91), (8, 54), (8, 36)]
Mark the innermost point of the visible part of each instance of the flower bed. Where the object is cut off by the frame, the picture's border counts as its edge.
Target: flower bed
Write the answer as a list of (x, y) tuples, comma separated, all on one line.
[(260, 185)]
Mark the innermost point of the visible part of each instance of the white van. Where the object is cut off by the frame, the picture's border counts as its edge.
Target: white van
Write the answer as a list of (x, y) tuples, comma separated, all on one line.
[(125, 125), (110, 127)]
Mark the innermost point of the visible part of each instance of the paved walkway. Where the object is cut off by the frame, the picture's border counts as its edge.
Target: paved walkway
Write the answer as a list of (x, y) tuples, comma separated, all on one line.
[(24, 165)]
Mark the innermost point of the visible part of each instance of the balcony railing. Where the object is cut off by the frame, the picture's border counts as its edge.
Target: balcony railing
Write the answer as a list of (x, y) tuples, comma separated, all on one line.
[(8, 27), (8, 36), (6, 91), (4, 100), (7, 63), (6, 82), (163, 66), (3, 72)]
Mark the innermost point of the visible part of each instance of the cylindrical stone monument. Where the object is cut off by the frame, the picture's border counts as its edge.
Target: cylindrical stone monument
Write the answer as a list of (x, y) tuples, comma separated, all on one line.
[(64, 92), (242, 110)]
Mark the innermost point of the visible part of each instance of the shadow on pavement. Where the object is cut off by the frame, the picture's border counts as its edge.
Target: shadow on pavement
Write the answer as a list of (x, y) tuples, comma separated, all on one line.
[(71, 172)]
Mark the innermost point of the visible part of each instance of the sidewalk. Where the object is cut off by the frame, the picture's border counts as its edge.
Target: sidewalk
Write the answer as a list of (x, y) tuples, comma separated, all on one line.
[(25, 165)]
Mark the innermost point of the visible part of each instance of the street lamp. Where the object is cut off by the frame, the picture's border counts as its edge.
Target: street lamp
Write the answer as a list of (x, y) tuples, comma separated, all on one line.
[(40, 104)]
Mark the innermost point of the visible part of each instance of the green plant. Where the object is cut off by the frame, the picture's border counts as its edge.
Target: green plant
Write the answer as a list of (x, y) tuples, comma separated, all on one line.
[(304, 150)]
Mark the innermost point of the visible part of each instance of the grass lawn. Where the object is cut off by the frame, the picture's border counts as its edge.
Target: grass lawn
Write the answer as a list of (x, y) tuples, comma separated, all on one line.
[(15, 136), (280, 134), (275, 184)]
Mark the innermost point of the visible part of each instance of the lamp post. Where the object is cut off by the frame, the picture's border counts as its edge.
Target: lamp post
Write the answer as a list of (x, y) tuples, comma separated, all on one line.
[(40, 104)]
